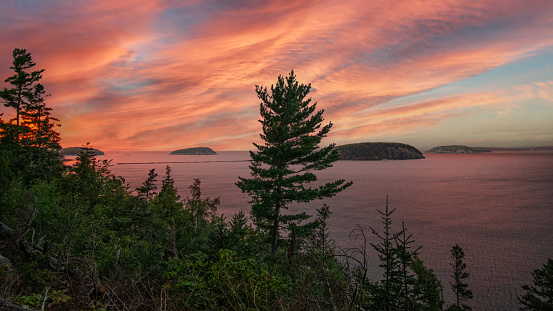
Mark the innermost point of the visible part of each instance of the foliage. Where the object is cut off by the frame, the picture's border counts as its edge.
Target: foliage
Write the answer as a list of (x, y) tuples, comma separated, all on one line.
[(406, 283), (29, 147), (283, 166), (226, 282), (148, 188), (78, 238), (460, 288), (24, 92), (378, 151), (539, 296)]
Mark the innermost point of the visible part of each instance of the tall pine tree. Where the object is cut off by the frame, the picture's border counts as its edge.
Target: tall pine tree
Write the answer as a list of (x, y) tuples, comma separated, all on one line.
[(283, 166), (21, 94), (460, 288), (30, 136)]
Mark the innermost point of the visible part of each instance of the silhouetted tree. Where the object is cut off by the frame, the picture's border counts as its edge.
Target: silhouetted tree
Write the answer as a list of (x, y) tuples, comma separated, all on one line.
[(283, 166), (148, 188), (31, 136), (539, 296), (406, 257), (389, 293), (460, 288), (23, 92)]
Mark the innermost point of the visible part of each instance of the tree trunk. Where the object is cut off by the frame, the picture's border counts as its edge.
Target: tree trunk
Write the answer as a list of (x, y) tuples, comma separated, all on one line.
[(275, 228)]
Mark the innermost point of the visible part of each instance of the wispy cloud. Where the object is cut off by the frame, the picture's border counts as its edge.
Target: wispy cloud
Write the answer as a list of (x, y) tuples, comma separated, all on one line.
[(168, 74)]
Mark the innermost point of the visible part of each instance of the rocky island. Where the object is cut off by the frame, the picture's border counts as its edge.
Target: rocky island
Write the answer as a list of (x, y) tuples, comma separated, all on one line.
[(378, 151), (74, 151), (194, 151), (458, 149)]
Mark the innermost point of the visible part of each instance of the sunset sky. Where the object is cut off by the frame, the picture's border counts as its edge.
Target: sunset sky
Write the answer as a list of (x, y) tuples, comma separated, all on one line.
[(163, 75)]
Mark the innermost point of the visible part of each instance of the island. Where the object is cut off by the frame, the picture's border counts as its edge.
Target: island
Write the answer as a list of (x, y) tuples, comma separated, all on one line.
[(74, 151), (378, 151), (458, 149), (194, 151)]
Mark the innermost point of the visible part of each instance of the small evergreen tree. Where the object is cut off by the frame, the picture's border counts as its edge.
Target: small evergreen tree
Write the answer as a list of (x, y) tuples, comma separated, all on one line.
[(389, 294), (406, 258), (539, 296), (168, 208), (460, 288), (283, 166), (148, 189)]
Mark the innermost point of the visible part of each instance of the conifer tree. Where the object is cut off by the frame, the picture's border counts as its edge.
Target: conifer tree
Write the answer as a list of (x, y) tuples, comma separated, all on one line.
[(38, 123), (148, 189), (31, 135), (539, 296), (428, 289), (168, 207), (390, 292), (283, 166), (460, 288), (21, 94), (406, 258)]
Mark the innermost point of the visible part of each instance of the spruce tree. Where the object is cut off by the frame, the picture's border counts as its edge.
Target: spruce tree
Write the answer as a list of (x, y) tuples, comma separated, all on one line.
[(389, 293), (148, 189), (283, 166)]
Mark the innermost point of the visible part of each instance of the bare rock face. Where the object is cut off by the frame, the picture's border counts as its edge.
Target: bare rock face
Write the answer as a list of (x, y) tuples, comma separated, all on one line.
[(378, 151), (194, 151)]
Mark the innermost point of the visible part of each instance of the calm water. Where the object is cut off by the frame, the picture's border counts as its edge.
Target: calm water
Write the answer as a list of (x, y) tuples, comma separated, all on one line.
[(497, 206)]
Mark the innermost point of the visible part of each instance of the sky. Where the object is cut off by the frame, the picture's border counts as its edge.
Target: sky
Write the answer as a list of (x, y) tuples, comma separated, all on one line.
[(165, 75)]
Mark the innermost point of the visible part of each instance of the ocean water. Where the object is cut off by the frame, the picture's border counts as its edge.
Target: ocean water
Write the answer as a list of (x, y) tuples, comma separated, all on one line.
[(497, 206)]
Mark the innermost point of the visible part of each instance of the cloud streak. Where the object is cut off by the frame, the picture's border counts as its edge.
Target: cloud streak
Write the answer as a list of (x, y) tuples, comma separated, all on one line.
[(164, 75)]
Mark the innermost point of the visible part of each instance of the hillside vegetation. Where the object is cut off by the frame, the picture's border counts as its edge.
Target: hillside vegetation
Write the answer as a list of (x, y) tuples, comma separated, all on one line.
[(74, 151), (378, 151), (459, 149), (194, 151)]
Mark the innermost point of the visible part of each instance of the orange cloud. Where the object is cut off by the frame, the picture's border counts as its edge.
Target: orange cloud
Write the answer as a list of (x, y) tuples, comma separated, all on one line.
[(161, 75)]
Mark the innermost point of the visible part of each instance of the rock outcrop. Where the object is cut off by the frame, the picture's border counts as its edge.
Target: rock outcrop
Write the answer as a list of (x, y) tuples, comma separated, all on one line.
[(378, 151), (74, 151), (458, 149), (194, 151)]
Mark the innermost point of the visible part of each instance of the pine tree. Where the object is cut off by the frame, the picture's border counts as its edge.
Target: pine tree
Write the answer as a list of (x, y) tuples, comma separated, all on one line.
[(38, 122), (460, 288), (283, 166), (31, 136), (539, 296), (21, 94)]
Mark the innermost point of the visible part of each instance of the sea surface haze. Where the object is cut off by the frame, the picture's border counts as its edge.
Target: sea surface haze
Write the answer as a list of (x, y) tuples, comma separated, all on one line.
[(497, 206)]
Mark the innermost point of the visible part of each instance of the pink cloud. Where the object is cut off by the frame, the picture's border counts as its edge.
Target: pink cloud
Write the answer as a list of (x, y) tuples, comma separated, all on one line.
[(160, 75)]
